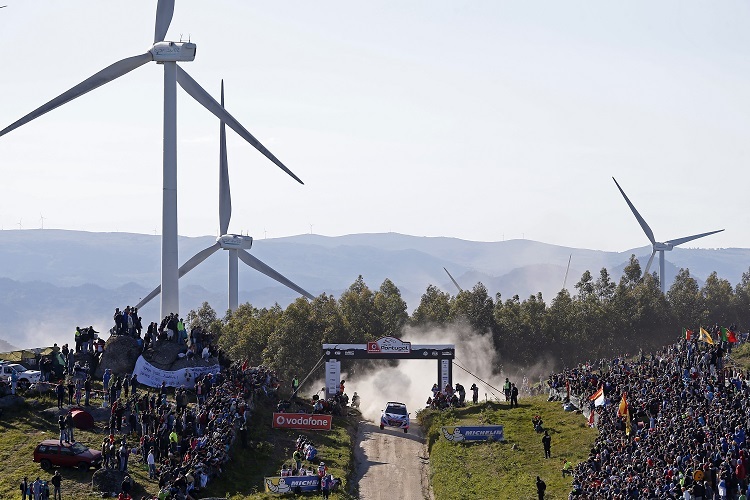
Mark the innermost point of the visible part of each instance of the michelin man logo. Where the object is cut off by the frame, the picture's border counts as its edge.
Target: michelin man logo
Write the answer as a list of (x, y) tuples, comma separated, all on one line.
[(453, 434), (277, 485)]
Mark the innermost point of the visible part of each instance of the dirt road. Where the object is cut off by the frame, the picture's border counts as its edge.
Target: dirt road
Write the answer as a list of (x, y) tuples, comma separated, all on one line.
[(391, 464)]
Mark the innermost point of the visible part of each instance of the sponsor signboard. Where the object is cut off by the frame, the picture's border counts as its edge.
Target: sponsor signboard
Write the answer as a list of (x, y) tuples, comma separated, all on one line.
[(152, 376), (291, 484), (333, 377), (302, 421), (477, 433), (389, 345), (445, 373)]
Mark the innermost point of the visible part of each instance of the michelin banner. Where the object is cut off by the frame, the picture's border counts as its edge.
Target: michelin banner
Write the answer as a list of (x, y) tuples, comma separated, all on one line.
[(292, 484), (478, 433), (152, 376)]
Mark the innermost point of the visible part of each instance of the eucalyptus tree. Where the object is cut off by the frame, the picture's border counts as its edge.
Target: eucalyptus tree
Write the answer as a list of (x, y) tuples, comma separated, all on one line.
[(433, 309)]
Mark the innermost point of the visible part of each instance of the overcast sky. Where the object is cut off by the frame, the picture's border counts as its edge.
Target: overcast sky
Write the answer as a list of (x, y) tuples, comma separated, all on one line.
[(482, 120)]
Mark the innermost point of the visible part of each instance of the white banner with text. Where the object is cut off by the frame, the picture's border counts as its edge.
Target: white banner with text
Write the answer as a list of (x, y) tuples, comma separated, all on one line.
[(152, 376)]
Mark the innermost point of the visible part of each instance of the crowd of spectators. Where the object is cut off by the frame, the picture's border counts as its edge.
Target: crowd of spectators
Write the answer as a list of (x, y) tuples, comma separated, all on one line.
[(198, 343), (183, 445), (673, 424)]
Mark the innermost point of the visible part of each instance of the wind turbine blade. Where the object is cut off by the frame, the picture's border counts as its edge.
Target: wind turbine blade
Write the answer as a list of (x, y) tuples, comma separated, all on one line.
[(225, 195), (454, 281), (641, 221), (265, 269), (164, 12), (145, 300), (648, 266), (204, 98), (680, 241), (197, 259), (184, 269), (106, 75)]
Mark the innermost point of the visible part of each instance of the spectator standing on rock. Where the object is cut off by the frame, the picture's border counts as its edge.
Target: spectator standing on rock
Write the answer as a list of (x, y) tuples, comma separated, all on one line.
[(70, 424), (63, 429), (506, 389), (541, 487), (56, 482)]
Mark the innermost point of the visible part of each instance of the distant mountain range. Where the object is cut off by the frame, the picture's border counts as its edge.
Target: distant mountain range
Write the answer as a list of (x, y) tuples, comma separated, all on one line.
[(54, 280)]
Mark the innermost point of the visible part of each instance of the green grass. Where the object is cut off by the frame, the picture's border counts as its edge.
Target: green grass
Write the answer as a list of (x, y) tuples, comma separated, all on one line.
[(741, 356), (21, 429), (505, 470), (268, 449)]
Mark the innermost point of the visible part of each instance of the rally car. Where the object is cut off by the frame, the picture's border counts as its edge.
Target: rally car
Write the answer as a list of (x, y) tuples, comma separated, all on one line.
[(395, 415)]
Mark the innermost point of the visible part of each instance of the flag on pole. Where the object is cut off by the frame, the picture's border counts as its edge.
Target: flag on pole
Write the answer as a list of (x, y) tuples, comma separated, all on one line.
[(687, 334), (624, 411), (728, 335), (623, 408), (732, 337), (598, 397), (706, 337)]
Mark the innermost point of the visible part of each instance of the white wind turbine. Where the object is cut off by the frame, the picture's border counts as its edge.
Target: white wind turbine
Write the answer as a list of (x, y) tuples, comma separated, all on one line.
[(454, 281), (168, 54), (657, 246), (237, 245)]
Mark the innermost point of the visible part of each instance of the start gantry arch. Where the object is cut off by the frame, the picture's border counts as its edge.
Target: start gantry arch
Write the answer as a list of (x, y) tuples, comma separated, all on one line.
[(388, 348)]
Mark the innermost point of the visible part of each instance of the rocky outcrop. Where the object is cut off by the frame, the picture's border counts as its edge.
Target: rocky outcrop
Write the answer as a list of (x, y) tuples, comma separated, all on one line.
[(109, 481), (120, 354), (11, 401)]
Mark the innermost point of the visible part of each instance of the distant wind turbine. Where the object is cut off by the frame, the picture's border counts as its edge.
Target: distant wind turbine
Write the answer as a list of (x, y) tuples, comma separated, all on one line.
[(454, 281), (657, 246), (566, 271), (167, 54), (236, 244)]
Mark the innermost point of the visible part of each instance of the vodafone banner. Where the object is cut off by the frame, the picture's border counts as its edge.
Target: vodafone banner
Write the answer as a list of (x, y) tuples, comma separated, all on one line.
[(302, 421)]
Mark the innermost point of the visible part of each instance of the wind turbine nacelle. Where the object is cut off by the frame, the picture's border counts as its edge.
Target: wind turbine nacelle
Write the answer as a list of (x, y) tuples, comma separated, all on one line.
[(173, 51), (235, 241), (662, 246)]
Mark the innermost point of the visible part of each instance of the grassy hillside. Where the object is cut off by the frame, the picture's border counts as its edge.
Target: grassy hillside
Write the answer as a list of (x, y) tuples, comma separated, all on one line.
[(505, 470), (21, 429)]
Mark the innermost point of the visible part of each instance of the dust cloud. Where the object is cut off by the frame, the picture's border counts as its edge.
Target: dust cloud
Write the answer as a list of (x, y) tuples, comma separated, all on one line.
[(410, 381)]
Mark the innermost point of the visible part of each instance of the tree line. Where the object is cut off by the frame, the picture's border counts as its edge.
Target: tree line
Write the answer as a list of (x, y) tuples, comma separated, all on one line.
[(601, 318)]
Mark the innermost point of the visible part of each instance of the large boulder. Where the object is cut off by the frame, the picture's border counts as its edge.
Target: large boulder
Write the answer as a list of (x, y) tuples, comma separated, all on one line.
[(164, 354), (11, 401), (120, 354), (109, 481)]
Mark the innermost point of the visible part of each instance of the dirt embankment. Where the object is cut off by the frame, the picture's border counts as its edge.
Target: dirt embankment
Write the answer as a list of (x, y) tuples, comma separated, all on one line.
[(391, 464)]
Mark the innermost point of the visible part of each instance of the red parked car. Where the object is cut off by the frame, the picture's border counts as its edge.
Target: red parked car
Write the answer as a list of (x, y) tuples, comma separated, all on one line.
[(49, 452)]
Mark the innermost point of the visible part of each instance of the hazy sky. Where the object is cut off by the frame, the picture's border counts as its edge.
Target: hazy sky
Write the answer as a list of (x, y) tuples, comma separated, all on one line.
[(482, 120)]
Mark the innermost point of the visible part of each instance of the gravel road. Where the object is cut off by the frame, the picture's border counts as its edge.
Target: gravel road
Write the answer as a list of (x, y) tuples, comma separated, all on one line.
[(391, 464)]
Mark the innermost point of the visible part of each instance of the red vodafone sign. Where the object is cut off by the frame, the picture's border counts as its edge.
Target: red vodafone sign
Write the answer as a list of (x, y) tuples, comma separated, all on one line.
[(389, 345), (302, 421)]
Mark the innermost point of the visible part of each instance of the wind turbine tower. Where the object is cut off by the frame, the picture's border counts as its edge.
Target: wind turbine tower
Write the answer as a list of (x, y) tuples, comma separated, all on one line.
[(658, 246), (236, 245), (167, 54)]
